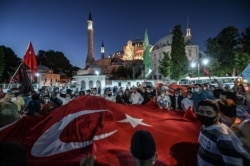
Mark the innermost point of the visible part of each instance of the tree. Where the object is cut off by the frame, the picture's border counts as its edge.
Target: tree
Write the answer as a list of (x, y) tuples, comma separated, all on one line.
[(165, 65), (213, 66), (241, 60), (1, 62), (55, 60), (178, 55), (246, 40), (11, 62), (223, 47)]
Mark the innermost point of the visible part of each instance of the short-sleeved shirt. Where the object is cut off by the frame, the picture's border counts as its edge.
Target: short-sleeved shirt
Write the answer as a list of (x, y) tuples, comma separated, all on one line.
[(216, 147)]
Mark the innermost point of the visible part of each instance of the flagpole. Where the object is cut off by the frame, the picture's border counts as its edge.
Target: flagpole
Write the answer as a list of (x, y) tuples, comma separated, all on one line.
[(14, 75)]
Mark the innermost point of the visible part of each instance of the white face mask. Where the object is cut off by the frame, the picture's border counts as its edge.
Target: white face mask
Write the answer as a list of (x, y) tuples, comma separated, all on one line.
[(13, 99), (189, 96), (162, 94), (239, 146), (196, 89), (148, 91)]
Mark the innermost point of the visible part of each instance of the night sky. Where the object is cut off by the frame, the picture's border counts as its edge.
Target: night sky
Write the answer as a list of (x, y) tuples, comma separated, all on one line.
[(61, 25)]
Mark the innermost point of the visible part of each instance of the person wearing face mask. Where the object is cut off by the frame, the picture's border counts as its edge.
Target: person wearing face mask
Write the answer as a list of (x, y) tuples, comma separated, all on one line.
[(135, 96), (110, 97), (119, 98), (187, 101), (67, 98), (35, 105), (126, 97), (241, 140), (163, 100), (94, 92), (18, 99), (150, 93), (47, 105), (198, 95), (227, 114), (176, 100), (8, 110), (146, 94), (216, 146)]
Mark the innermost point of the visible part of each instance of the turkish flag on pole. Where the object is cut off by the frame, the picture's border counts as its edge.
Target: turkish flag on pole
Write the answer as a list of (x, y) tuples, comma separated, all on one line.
[(93, 125), (21, 76), (29, 59), (205, 71)]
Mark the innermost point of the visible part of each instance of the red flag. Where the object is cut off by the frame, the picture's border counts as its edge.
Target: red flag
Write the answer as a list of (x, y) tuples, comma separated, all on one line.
[(93, 125), (29, 59), (21, 77), (205, 71), (189, 115)]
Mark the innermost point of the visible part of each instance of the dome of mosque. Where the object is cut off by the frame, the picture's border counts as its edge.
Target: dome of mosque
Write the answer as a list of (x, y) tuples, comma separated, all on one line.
[(164, 41), (42, 69), (94, 66), (94, 69)]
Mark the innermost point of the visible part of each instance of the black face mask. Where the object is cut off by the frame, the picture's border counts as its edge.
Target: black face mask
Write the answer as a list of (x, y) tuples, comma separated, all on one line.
[(109, 95), (207, 121)]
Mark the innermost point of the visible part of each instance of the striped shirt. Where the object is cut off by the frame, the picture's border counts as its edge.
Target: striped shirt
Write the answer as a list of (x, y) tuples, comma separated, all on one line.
[(216, 147)]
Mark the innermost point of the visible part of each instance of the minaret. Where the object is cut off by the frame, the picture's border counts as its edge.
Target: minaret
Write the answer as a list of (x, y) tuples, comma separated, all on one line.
[(188, 31), (90, 56), (102, 51)]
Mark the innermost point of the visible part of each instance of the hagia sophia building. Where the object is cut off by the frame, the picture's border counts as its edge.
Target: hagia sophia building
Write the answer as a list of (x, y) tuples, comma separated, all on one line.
[(97, 72)]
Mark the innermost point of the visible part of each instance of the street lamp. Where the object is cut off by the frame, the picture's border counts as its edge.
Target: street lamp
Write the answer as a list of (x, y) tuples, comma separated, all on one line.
[(97, 73), (198, 64), (97, 81)]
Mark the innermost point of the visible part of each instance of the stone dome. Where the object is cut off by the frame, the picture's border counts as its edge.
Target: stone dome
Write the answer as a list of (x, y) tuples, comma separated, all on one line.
[(42, 69), (94, 69), (164, 41)]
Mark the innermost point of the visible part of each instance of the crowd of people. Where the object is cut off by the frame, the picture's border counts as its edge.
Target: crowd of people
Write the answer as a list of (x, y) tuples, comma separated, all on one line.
[(224, 113)]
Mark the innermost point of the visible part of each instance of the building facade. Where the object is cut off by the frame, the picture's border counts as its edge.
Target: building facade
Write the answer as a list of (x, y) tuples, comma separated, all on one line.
[(164, 45), (97, 72)]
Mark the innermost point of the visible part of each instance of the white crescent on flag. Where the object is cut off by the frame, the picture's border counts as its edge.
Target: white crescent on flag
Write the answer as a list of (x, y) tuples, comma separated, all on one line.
[(49, 142)]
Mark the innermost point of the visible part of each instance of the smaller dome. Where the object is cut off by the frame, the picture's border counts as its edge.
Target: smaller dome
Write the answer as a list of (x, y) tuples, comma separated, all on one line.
[(42, 69), (164, 41), (94, 66), (93, 69)]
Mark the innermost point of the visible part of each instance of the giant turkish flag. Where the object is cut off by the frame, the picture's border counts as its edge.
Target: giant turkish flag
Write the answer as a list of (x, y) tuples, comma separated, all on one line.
[(93, 125)]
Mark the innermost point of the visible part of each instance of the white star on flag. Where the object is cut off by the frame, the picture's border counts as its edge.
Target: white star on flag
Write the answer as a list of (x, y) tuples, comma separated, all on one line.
[(133, 121)]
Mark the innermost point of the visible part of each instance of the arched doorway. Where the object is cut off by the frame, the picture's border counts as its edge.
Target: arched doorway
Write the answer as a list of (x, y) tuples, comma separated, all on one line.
[(83, 85), (91, 84), (98, 84)]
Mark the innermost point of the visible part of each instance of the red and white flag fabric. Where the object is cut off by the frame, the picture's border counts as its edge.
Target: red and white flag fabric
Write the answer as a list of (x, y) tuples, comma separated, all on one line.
[(21, 77), (205, 71), (29, 59), (93, 125)]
